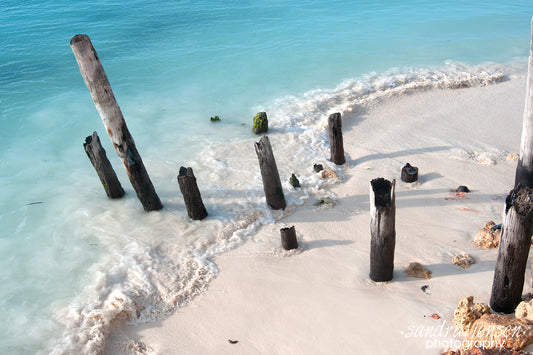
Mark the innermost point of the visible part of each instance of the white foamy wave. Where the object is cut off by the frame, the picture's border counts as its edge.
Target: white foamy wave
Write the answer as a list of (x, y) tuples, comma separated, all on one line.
[(161, 260), (312, 109)]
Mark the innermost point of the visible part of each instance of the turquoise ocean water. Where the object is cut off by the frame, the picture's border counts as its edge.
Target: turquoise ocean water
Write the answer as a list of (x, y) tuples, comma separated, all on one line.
[(71, 261)]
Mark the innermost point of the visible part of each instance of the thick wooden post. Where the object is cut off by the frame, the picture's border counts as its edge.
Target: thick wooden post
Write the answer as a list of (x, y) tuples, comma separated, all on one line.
[(191, 195), (288, 238), (524, 169), (513, 251), (96, 80), (382, 229), (101, 164), (269, 173), (335, 138)]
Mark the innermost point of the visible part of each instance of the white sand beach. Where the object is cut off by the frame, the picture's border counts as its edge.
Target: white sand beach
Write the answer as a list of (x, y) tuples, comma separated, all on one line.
[(319, 299)]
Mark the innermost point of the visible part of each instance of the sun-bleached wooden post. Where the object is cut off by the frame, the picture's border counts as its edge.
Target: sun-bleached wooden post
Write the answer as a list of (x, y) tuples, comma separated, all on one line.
[(191, 194), (513, 251), (96, 81), (335, 138), (382, 229), (288, 238), (97, 156), (269, 173), (524, 169)]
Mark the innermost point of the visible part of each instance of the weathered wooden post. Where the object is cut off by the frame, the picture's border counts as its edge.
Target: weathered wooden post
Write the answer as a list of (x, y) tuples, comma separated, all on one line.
[(288, 238), (96, 81), (191, 194), (97, 156), (382, 229), (269, 173), (524, 169), (335, 138), (513, 251)]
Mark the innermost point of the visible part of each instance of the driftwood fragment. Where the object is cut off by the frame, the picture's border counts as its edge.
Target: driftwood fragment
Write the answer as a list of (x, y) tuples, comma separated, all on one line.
[(93, 74), (382, 229), (97, 155), (191, 194), (269, 173)]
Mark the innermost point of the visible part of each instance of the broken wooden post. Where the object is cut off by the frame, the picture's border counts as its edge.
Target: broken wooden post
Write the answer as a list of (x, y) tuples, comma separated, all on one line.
[(288, 238), (269, 173), (524, 169), (513, 250), (382, 229), (96, 81), (335, 138), (191, 195), (101, 164), (409, 173)]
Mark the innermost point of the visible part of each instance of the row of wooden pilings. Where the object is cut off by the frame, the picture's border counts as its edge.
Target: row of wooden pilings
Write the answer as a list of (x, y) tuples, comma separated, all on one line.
[(382, 191), (509, 275)]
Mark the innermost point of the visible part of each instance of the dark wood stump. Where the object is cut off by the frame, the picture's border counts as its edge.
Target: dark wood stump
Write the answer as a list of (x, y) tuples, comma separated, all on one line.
[(97, 156), (335, 138), (409, 173), (515, 242), (382, 229), (288, 238), (269, 173), (96, 81), (191, 194)]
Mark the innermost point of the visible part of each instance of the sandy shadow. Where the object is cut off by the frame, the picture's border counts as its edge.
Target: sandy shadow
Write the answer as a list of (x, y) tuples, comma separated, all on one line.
[(324, 243), (400, 153)]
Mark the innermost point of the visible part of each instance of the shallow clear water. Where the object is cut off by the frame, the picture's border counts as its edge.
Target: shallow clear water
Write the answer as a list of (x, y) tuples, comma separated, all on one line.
[(70, 259)]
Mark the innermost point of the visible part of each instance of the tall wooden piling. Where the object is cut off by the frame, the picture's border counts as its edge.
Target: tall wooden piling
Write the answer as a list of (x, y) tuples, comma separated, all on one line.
[(96, 81), (269, 173), (515, 242), (382, 229), (191, 194), (524, 169), (335, 138), (97, 155)]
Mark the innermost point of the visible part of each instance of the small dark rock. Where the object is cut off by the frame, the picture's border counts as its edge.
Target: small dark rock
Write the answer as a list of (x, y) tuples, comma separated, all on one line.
[(294, 181), (233, 341), (409, 173), (462, 188), (260, 123), (318, 167)]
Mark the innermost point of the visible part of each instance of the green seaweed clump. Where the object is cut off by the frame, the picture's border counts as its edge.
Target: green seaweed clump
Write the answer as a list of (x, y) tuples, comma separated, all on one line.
[(294, 181), (215, 119), (260, 123)]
